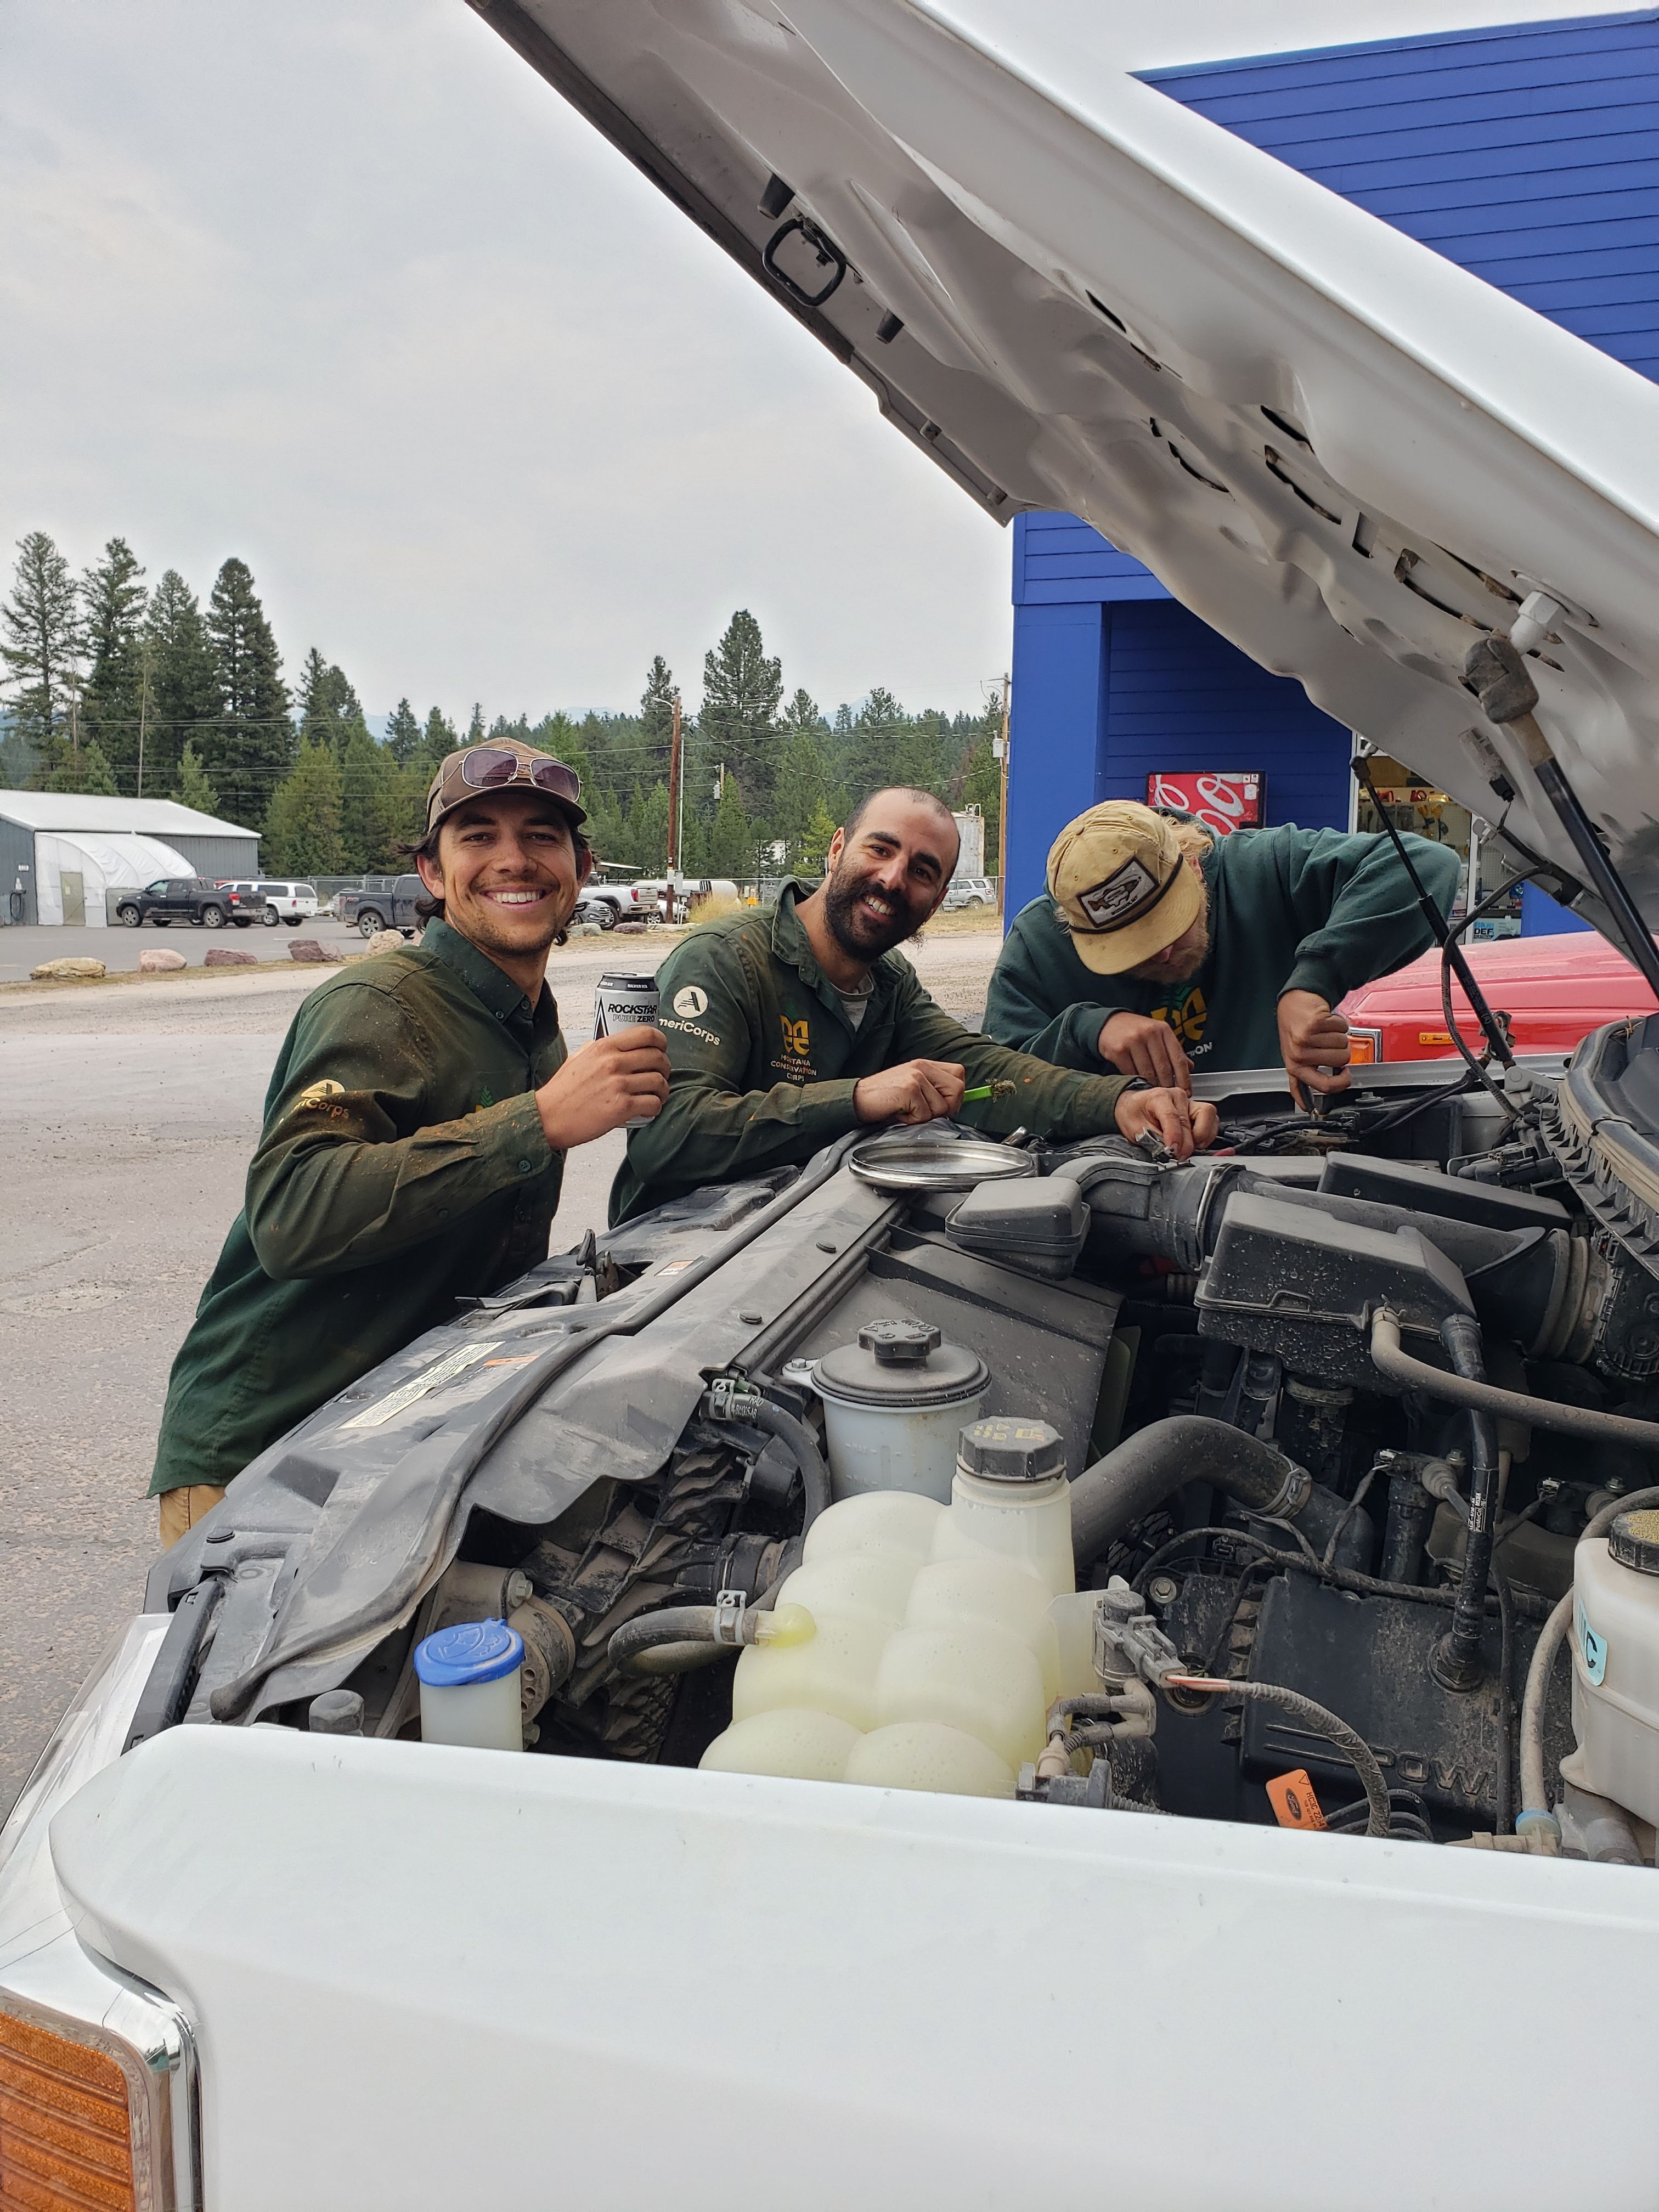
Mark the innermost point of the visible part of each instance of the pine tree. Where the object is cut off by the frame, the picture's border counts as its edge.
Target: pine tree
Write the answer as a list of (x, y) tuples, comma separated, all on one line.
[(370, 821), (97, 776), (647, 823), (329, 708), (439, 740), (816, 843), (403, 734), (741, 690), (657, 719), (113, 603), (193, 788), (42, 647), (732, 837), (302, 828), (184, 690), (607, 831), (799, 792), (253, 747), (474, 728)]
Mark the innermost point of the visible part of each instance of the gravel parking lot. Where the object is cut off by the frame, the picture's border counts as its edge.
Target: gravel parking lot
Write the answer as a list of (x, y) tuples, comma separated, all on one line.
[(129, 1110)]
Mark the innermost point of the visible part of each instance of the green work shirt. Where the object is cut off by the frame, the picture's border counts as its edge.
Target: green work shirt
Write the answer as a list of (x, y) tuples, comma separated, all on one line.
[(1289, 910), (763, 1058), (401, 1166)]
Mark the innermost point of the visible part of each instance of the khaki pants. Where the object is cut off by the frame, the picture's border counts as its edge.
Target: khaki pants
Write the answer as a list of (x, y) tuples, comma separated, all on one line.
[(182, 1508)]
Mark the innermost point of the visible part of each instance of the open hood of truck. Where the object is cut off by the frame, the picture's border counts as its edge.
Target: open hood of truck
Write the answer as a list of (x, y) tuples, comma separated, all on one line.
[(1348, 455)]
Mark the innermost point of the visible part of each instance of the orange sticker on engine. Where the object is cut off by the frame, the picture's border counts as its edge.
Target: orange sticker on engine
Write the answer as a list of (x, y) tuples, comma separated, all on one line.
[(1294, 1805)]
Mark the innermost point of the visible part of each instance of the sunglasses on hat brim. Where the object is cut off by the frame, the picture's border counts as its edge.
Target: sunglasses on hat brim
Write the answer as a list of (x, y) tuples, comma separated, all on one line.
[(490, 767)]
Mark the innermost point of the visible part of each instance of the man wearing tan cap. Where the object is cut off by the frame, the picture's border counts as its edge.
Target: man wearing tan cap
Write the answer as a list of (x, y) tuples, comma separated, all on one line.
[(1156, 948), (414, 1133)]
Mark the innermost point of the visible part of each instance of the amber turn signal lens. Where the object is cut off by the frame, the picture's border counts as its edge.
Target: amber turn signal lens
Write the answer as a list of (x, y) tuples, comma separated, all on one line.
[(65, 2132), (1364, 1047)]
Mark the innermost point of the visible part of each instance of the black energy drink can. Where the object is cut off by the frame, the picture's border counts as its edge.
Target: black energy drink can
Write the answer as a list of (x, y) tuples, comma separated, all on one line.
[(625, 1002)]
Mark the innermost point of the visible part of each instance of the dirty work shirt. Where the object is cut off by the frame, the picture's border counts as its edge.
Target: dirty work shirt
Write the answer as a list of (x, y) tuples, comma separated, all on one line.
[(1289, 910), (764, 1055), (402, 1165)]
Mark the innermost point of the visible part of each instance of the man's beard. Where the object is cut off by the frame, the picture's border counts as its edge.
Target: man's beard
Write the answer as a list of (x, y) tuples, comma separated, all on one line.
[(1150, 971), (856, 936)]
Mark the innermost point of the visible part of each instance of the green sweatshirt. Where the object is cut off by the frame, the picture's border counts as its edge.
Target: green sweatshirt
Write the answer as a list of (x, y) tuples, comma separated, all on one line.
[(402, 1165), (763, 1057), (1289, 910)]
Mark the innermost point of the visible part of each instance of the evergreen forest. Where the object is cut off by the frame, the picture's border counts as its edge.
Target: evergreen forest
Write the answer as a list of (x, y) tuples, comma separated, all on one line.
[(113, 684)]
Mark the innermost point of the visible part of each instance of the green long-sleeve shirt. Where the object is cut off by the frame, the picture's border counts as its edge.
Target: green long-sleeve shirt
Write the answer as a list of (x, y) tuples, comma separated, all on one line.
[(1289, 910), (764, 1059), (401, 1166)]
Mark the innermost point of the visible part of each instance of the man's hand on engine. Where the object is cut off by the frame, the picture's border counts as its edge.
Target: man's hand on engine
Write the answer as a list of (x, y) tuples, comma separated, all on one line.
[(916, 1090), (1140, 1044), (1312, 1038), (1184, 1125)]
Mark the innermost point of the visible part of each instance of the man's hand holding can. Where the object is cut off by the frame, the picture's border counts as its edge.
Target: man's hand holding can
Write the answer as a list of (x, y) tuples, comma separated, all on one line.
[(617, 1082)]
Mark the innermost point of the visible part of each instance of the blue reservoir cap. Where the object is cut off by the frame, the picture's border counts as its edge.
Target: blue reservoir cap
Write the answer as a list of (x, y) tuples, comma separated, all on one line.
[(471, 1651)]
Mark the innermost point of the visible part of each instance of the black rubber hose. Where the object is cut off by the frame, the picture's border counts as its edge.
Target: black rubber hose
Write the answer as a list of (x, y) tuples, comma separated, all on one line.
[(673, 1640), (790, 1430), (1458, 1660), (1137, 1475)]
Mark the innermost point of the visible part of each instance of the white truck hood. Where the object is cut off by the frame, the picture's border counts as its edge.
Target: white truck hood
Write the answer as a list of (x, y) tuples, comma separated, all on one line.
[(1349, 456)]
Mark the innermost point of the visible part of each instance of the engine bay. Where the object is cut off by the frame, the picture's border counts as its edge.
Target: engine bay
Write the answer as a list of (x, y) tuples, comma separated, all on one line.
[(1282, 1393)]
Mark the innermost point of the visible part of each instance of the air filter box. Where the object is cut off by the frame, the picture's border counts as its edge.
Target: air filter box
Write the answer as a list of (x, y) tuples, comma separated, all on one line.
[(1038, 1226), (1286, 1279)]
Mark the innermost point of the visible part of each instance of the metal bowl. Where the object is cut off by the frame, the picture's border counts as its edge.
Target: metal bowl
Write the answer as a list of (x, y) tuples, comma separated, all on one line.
[(915, 1160)]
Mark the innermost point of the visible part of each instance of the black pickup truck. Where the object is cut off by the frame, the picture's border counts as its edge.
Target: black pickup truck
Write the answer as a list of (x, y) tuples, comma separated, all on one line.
[(384, 902), (191, 899)]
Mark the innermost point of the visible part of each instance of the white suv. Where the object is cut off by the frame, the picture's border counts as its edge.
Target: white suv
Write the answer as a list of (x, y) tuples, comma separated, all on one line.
[(289, 902)]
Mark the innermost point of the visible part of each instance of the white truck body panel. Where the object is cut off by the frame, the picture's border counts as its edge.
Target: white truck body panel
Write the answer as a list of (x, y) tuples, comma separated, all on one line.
[(424, 1978)]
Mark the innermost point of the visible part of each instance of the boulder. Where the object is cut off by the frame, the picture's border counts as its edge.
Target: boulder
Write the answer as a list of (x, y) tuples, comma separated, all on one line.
[(161, 962), (223, 957), (384, 940), (584, 929), (67, 971), (309, 953), (632, 928)]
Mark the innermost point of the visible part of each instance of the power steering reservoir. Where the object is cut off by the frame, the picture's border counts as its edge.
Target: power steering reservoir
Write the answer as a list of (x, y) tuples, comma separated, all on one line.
[(894, 1405)]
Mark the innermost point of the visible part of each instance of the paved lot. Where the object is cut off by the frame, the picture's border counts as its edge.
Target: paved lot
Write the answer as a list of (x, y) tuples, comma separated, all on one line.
[(22, 949), (128, 1113)]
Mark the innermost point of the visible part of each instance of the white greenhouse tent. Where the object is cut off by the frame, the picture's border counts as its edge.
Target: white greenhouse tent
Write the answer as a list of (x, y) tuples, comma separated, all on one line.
[(61, 853)]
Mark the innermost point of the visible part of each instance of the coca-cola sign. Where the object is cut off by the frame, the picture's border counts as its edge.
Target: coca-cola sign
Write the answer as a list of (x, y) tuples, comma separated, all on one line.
[(1222, 800)]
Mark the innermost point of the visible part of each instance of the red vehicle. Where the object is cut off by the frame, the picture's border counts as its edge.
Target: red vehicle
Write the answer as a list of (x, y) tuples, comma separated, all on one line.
[(1554, 991)]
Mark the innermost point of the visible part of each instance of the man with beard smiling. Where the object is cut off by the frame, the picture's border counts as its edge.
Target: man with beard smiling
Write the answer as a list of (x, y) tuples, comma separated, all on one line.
[(414, 1133), (790, 1027)]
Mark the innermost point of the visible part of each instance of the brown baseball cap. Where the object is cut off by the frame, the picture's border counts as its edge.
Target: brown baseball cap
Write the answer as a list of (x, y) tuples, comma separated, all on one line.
[(1120, 877), (502, 764)]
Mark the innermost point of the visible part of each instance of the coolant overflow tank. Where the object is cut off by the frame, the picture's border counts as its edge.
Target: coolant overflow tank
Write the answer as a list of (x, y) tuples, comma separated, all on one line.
[(1615, 1665), (894, 1404)]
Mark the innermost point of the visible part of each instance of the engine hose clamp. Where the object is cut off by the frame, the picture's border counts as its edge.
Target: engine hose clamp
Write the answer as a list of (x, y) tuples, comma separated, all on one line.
[(1293, 1493), (731, 1608)]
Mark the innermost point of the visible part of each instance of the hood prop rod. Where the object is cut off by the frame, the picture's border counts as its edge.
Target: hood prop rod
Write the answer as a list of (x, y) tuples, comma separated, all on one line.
[(1499, 679), (1443, 932)]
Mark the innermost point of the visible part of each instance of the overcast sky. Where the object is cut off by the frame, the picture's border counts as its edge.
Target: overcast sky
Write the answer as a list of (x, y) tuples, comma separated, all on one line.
[(341, 287)]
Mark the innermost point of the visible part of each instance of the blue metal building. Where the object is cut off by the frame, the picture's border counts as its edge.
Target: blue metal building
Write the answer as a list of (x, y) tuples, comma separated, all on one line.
[(1529, 154)]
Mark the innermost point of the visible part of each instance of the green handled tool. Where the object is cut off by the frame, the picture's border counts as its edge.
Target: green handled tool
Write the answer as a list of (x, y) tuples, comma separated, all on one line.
[(986, 1091)]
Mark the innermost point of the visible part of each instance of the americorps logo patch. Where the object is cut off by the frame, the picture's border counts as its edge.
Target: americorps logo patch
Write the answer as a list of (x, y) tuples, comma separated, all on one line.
[(1107, 903), (691, 1002)]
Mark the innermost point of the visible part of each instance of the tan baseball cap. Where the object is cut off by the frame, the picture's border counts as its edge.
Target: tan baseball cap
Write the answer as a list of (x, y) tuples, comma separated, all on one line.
[(1119, 877), (500, 764)]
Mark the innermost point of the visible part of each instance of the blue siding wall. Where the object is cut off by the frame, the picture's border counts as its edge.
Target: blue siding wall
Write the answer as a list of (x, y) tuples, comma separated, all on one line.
[(1528, 153)]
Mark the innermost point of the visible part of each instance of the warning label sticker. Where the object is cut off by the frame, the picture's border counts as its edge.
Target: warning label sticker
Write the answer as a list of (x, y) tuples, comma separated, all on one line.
[(429, 1378)]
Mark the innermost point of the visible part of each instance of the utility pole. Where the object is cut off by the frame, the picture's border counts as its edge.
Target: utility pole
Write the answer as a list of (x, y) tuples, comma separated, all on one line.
[(676, 804), (1000, 748), (143, 711)]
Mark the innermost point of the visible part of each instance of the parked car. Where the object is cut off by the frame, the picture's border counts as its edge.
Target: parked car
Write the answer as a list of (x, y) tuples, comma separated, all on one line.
[(192, 899), (638, 900), (284, 902), (967, 892), (384, 902), (1553, 991)]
